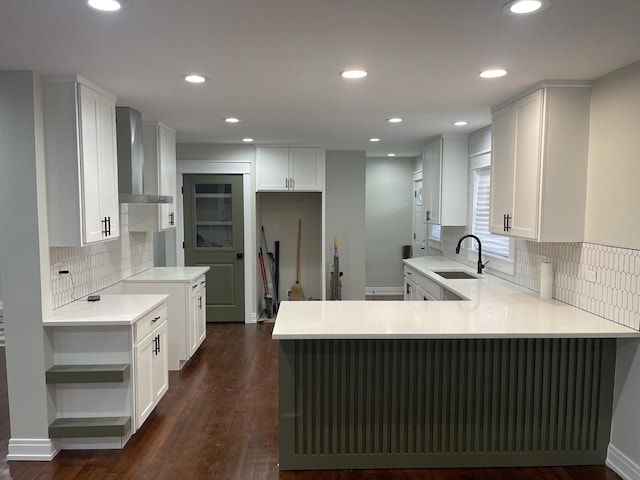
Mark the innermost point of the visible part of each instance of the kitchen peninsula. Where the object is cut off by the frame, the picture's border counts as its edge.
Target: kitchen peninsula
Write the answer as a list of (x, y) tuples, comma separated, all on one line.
[(499, 379)]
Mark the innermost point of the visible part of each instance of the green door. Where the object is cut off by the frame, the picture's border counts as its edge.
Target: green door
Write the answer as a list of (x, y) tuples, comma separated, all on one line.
[(214, 236)]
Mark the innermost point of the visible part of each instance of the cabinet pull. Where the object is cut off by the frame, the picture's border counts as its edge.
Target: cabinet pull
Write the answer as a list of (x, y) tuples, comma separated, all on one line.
[(200, 303), (158, 344), (504, 222), (155, 319), (104, 226), (428, 215), (286, 180), (171, 220), (109, 226), (508, 222), (202, 283), (291, 183), (194, 286)]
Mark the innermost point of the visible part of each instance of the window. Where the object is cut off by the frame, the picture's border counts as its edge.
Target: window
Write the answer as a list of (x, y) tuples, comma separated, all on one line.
[(434, 232), (492, 244)]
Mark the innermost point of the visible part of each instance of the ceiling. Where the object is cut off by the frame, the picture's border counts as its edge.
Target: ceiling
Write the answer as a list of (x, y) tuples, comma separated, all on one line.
[(275, 64)]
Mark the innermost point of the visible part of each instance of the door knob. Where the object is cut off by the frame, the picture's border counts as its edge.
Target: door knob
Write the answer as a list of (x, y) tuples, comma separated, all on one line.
[(239, 256)]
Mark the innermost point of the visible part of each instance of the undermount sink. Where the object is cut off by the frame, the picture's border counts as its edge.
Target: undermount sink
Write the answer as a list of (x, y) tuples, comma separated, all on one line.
[(455, 275)]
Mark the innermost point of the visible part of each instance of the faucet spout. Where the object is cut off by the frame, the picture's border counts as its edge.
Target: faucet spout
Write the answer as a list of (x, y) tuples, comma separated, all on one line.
[(480, 264)]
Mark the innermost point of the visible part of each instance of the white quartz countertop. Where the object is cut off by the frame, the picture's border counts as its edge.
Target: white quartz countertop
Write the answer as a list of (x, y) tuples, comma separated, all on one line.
[(169, 274), (495, 309), (109, 310)]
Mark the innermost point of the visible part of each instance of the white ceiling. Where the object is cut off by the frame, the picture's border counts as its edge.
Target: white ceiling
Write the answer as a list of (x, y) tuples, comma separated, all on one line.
[(275, 63)]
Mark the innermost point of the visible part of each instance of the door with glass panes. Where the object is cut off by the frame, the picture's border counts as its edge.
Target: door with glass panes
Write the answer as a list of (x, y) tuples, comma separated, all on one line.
[(214, 236)]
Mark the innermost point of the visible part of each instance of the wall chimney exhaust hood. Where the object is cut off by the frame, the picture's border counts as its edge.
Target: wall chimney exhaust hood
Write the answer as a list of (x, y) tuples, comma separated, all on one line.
[(131, 159)]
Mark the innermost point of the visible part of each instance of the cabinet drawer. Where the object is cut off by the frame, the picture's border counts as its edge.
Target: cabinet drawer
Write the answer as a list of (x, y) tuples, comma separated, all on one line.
[(149, 322), (198, 284)]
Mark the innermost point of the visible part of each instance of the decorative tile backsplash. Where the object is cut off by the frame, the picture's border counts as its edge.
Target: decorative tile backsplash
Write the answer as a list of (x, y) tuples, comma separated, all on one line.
[(614, 292), (98, 266)]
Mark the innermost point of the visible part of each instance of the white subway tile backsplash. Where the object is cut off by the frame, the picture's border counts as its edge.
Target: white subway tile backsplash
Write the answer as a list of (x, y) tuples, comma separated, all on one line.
[(98, 266)]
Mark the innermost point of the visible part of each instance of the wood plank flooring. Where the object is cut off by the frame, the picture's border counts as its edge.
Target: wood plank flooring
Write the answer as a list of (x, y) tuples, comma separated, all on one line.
[(219, 420)]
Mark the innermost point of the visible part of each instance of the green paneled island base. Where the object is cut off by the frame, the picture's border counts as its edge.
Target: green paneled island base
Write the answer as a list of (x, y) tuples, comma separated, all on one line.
[(444, 403), (501, 378)]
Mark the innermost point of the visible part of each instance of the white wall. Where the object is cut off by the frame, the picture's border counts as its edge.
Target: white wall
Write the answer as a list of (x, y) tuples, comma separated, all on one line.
[(25, 259), (389, 203), (345, 178), (613, 195)]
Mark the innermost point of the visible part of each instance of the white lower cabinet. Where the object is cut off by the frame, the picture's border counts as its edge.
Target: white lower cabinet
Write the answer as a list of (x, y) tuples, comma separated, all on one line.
[(151, 374), (186, 305)]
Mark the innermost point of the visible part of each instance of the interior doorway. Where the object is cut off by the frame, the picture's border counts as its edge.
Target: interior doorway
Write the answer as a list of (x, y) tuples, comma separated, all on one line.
[(214, 236)]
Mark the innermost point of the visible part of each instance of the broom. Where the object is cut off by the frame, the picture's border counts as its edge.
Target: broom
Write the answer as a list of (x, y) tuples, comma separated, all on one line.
[(297, 293)]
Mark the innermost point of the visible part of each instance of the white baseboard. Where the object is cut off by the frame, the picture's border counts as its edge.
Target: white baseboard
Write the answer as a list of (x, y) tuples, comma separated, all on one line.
[(621, 464), (32, 449), (383, 291)]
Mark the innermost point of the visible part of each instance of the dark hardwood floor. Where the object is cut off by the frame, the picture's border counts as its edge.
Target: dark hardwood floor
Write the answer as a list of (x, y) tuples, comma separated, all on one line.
[(219, 420)]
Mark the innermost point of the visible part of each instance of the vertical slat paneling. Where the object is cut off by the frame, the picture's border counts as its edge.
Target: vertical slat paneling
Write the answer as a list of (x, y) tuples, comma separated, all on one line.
[(377, 397)]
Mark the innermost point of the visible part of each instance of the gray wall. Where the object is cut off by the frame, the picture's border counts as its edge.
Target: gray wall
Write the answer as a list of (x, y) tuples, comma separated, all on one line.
[(345, 178), (24, 255), (389, 221)]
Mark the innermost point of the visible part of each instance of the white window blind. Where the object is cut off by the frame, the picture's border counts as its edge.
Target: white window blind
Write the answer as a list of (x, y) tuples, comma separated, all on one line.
[(493, 244)]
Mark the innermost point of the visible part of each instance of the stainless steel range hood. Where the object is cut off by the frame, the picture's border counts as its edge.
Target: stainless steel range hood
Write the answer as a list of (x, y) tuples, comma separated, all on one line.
[(131, 159)]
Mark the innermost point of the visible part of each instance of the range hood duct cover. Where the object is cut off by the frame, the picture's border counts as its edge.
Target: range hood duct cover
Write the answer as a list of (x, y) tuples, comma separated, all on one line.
[(131, 159)]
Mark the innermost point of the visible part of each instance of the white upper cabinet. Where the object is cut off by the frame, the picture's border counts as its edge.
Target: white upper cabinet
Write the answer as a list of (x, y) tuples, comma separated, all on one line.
[(289, 169), (539, 165), (159, 179), (444, 181), (81, 162)]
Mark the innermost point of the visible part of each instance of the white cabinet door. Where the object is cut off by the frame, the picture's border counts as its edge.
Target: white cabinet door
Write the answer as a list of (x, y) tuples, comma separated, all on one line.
[(306, 167), (201, 322), (502, 169), (444, 178), (160, 364), (431, 181), (144, 352), (527, 167), (167, 175), (108, 160), (151, 372), (272, 168), (93, 221), (197, 316)]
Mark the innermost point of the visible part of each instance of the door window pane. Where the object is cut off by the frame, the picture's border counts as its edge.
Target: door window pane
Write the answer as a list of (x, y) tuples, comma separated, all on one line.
[(213, 215)]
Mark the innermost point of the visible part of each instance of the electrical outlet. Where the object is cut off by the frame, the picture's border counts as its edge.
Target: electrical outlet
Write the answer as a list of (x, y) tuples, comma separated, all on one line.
[(543, 258), (56, 269), (590, 276)]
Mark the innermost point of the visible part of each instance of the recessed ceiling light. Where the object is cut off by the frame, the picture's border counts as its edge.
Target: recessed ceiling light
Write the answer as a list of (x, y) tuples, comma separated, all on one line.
[(195, 78), (394, 120), (524, 7), (494, 73), (248, 140), (231, 120), (460, 123), (105, 5), (353, 74), (391, 154), (374, 139)]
